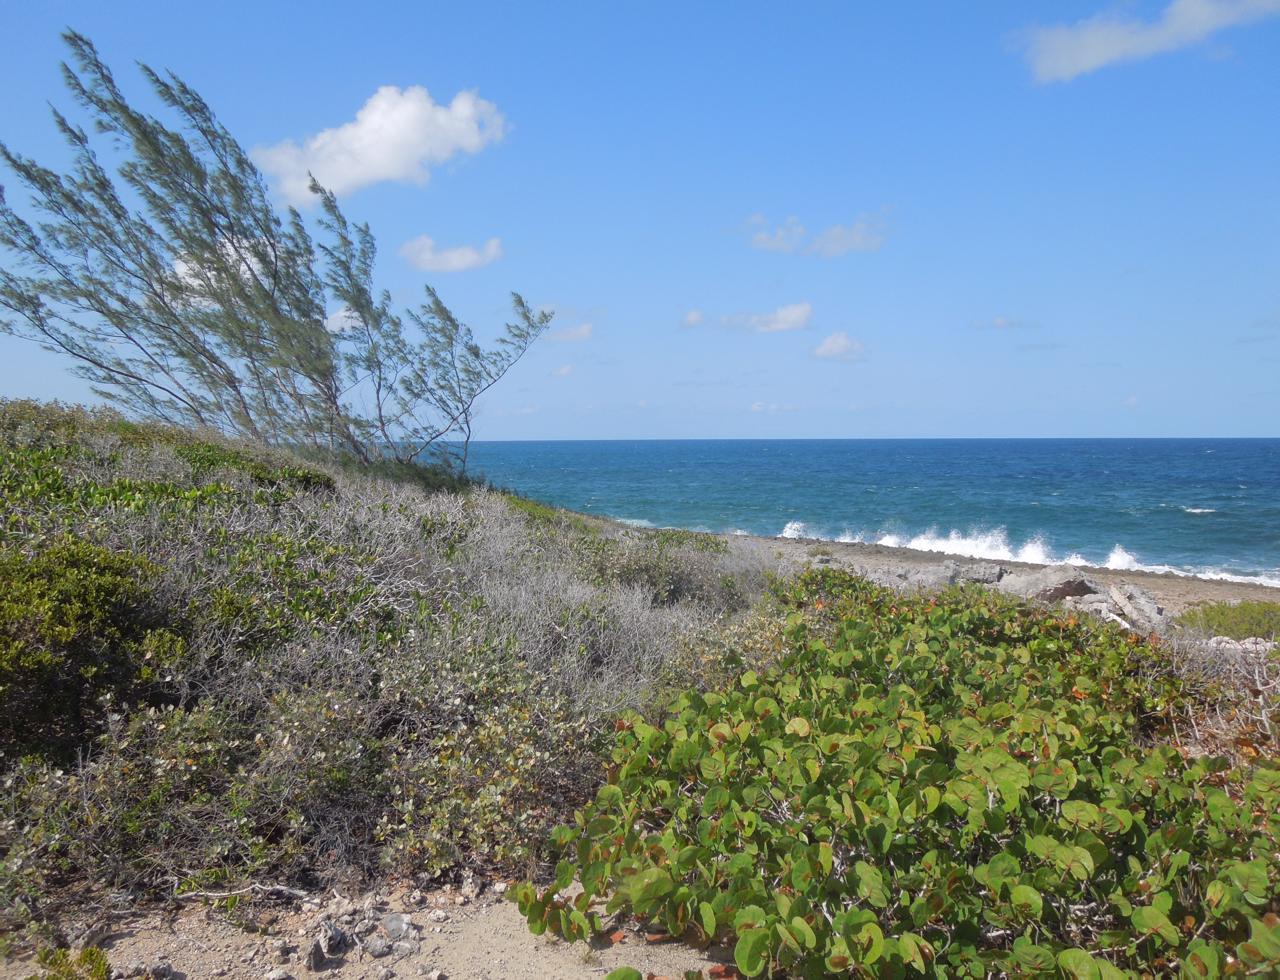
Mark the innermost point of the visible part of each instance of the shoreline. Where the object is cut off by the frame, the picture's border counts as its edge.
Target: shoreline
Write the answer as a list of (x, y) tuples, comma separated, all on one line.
[(1174, 592)]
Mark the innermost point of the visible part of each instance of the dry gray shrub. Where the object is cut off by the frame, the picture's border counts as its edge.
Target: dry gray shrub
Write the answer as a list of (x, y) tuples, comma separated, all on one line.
[(1236, 686), (369, 674)]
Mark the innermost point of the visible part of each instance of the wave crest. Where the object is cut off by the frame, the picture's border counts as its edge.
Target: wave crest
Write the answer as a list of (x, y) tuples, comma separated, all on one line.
[(994, 545)]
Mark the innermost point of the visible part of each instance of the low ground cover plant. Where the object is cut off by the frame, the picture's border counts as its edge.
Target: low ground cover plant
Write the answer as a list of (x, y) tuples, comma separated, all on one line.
[(1237, 620), (948, 786)]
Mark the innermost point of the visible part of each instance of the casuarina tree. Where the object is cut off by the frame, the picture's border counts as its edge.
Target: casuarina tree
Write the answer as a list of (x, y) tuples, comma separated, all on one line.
[(182, 294)]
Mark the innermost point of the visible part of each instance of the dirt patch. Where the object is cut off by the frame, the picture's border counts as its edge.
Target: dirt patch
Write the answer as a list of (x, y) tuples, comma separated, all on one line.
[(422, 936)]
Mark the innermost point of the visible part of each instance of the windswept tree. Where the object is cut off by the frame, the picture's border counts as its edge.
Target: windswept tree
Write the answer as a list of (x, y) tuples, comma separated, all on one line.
[(183, 295)]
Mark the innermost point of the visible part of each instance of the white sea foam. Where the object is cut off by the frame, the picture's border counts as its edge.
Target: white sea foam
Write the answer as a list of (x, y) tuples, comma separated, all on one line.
[(796, 529), (636, 522), (1198, 510), (994, 545)]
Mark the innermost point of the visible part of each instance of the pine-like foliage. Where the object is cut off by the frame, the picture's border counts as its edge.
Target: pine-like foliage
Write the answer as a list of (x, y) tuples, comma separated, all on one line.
[(183, 295)]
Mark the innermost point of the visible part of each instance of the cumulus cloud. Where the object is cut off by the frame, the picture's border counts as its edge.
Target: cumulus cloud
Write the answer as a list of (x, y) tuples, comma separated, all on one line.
[(399, 134), (424, 253), (787, 237), (794, 316), (341, 320), (563, 371), (693, 318), (866, 234), (572, 335), (838, 346), (1062, 52)]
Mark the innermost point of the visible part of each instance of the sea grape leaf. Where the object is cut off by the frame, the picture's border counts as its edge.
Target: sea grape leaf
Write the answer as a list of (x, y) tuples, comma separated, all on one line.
[(751, 952)]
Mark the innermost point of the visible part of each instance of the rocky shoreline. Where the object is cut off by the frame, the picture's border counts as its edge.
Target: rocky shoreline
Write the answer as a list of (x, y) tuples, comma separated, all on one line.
[(1146, 602)]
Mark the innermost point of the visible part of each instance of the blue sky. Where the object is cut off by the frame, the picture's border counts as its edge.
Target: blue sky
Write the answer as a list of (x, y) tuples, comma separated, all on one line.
[(827, 220)]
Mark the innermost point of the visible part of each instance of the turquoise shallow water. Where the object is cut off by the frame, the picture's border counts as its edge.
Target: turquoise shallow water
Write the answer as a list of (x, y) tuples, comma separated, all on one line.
[(1203, 506)]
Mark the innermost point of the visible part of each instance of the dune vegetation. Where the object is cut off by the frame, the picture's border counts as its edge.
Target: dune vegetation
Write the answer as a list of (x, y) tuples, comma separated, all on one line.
[(222, 663), (226, 664), (948, 785), (1235, 620)]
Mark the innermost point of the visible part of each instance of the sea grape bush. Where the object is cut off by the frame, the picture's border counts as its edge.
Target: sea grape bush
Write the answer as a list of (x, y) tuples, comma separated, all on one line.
[(955, 786)]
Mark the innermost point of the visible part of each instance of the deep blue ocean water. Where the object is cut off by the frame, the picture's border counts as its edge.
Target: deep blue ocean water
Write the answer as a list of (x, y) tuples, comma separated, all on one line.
[(1206, 506)]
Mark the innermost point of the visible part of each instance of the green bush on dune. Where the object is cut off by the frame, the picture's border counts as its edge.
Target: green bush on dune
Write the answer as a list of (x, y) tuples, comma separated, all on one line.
[(1238, 620), (953, 787), (76, 622)]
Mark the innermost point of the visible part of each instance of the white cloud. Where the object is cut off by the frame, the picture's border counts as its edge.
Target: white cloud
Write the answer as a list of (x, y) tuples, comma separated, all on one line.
[(1131, 401), (796, 316), (838, 346), (563, 371), (770, 407), (425, 254), (866, 234), (1064, 51), (787, 237), (397, 135), (573, 335), (341, 320), (693, 318)]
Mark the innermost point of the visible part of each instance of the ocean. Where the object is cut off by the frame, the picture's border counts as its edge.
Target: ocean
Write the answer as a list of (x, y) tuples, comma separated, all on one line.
[(1207, 507)]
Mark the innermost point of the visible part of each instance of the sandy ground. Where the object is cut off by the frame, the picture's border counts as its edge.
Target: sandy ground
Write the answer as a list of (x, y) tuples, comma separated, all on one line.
[(484, 940), (1176, 593)]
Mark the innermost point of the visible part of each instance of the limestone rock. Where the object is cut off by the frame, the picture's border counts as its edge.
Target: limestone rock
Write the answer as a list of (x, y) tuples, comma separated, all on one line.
[(1051, 584)]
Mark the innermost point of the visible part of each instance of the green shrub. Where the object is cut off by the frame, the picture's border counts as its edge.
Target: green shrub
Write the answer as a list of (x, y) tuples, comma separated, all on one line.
[(1238, 620), (75, 623), (61, 964), (951, 787), (207, 457)]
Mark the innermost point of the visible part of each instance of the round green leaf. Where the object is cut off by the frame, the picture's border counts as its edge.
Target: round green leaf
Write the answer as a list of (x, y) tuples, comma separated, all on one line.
[(751, 952), (1079, 964), (1153, 922), (1026, 900)]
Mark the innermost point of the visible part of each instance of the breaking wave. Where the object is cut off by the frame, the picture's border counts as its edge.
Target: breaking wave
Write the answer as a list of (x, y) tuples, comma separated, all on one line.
[(994, 545)]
